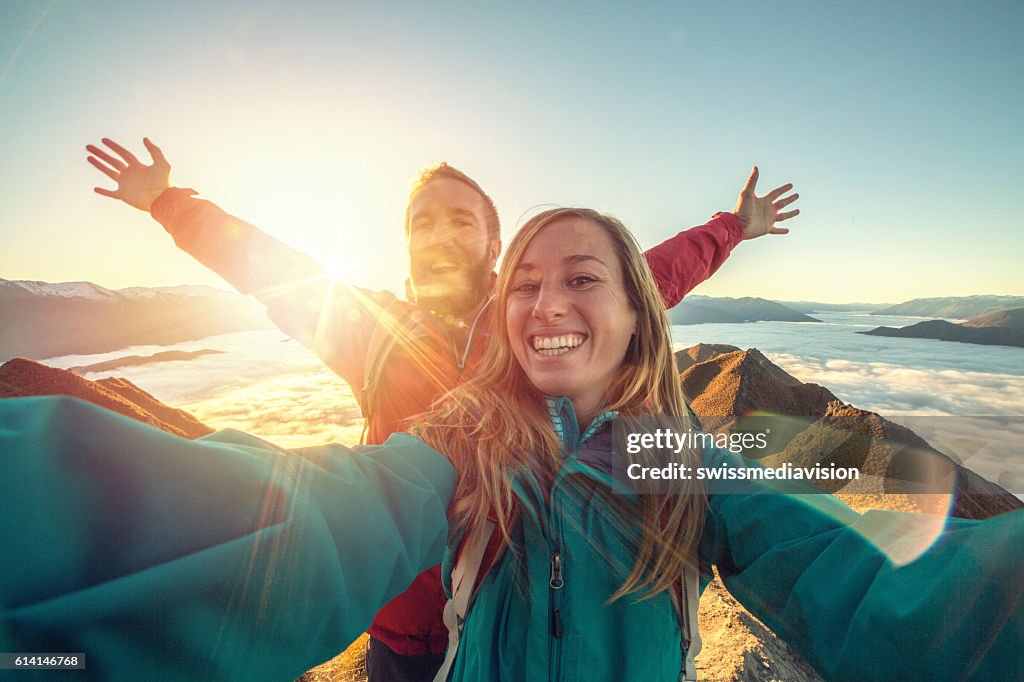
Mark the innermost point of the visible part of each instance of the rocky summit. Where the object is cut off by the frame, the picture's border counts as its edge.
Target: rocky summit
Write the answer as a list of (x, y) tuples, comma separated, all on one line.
[(21, 378)]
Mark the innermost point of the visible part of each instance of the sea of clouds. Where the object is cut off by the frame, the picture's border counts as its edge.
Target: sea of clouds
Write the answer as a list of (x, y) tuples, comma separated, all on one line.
[(263, 383), (271, 386), (965, 400)]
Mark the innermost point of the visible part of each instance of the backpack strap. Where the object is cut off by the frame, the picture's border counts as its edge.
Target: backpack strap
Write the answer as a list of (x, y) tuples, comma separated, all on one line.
[(389, 330), (686, 603), (464, 578)]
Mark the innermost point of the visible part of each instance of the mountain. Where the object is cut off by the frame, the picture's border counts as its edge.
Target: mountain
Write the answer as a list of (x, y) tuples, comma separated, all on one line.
[(135, 360), (194, 290), (701, 309), (731, 384), (689, 312), (816, 307), (86, 290), (950, 331), (744, 390), (21, 378), (40, 320), (702, 351), (1007, 318), (956, 307)]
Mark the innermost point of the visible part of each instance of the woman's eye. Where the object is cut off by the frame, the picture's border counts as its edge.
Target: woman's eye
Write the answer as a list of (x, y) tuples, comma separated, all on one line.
[(525, 287), (581, 280)]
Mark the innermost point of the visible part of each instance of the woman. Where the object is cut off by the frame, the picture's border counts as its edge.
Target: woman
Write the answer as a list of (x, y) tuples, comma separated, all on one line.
[(227, 558), (584, 322)]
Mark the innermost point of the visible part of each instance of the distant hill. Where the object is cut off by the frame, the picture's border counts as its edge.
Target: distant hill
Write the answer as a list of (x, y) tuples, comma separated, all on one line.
[(135, 360), (41, 320), (702, 309), (1008, 318), (949, 331), (815, 307), (956, 307), (21, 378)]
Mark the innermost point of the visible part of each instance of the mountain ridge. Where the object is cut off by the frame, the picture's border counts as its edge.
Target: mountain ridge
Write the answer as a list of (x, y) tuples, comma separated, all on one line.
[(42, 320), (705, 309), (23, 378), (954, 307), (943, 330)]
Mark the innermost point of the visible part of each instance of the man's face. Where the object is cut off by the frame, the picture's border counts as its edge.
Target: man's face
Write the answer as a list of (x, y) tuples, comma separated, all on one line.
[(450, 254)]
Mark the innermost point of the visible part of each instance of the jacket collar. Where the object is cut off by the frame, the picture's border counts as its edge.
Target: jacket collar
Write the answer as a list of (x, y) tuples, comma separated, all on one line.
[(566, 425)]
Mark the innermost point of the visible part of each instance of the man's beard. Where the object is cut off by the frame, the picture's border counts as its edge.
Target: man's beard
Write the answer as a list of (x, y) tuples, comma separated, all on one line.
[(443, 295)]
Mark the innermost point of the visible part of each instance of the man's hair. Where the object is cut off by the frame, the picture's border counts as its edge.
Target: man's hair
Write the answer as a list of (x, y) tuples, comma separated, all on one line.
[(444, 171)]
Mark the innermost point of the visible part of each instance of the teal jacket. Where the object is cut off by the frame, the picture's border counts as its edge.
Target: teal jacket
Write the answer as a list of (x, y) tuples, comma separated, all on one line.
[(227, 558)]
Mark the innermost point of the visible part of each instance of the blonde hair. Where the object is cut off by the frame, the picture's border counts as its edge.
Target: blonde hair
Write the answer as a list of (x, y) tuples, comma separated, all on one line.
[(495, 423)]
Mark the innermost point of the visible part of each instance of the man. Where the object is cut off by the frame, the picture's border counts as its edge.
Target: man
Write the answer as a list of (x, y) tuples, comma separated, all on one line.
[(399, 355)]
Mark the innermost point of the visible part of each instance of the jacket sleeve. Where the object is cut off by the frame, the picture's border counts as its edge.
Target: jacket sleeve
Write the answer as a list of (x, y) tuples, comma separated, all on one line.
[(224, 558), (335, 321), (804, 565), (682, 262)]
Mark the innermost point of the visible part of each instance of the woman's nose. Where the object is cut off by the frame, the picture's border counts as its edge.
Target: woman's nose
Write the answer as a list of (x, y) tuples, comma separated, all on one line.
[(551, 304)]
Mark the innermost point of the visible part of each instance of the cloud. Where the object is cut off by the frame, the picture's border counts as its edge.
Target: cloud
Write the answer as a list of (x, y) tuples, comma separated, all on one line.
[(898, 390), (272, 387), (989, 446), (263, 384)]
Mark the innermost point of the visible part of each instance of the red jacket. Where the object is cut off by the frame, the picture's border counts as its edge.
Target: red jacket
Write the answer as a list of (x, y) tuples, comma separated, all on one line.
[(338, 325)]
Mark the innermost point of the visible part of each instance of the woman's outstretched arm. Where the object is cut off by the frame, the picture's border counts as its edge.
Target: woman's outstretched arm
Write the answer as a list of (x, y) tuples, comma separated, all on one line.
[(804, 565), (218, 559)]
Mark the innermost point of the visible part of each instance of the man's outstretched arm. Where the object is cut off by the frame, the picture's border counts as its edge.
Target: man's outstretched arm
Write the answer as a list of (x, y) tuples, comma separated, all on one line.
[(682, 262), (290, 283)]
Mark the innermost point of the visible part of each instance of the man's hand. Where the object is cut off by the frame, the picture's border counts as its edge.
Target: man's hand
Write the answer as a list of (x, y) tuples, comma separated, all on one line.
[(137, 184), (759, 214)]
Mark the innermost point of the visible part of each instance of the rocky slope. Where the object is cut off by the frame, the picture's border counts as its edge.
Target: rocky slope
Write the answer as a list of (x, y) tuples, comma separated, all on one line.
[(744, 389), (25, 378)]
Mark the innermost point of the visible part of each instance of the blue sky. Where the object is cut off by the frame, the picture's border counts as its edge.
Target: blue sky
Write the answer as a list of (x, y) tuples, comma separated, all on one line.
[(898, 122)]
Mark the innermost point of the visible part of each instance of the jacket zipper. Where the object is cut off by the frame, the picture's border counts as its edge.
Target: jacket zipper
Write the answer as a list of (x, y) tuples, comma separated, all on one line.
[(556, 581)]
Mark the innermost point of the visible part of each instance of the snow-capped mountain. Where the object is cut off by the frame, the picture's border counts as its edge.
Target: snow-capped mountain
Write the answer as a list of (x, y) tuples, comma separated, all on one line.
[(59, 289), (95, 292), (192, 290), (43, 319)]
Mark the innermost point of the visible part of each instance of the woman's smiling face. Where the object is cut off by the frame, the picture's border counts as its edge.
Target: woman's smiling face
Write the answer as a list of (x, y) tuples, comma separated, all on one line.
[(569, 316)]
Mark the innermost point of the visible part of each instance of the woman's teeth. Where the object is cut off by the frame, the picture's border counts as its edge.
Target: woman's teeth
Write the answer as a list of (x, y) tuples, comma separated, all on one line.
[(556, 345)]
